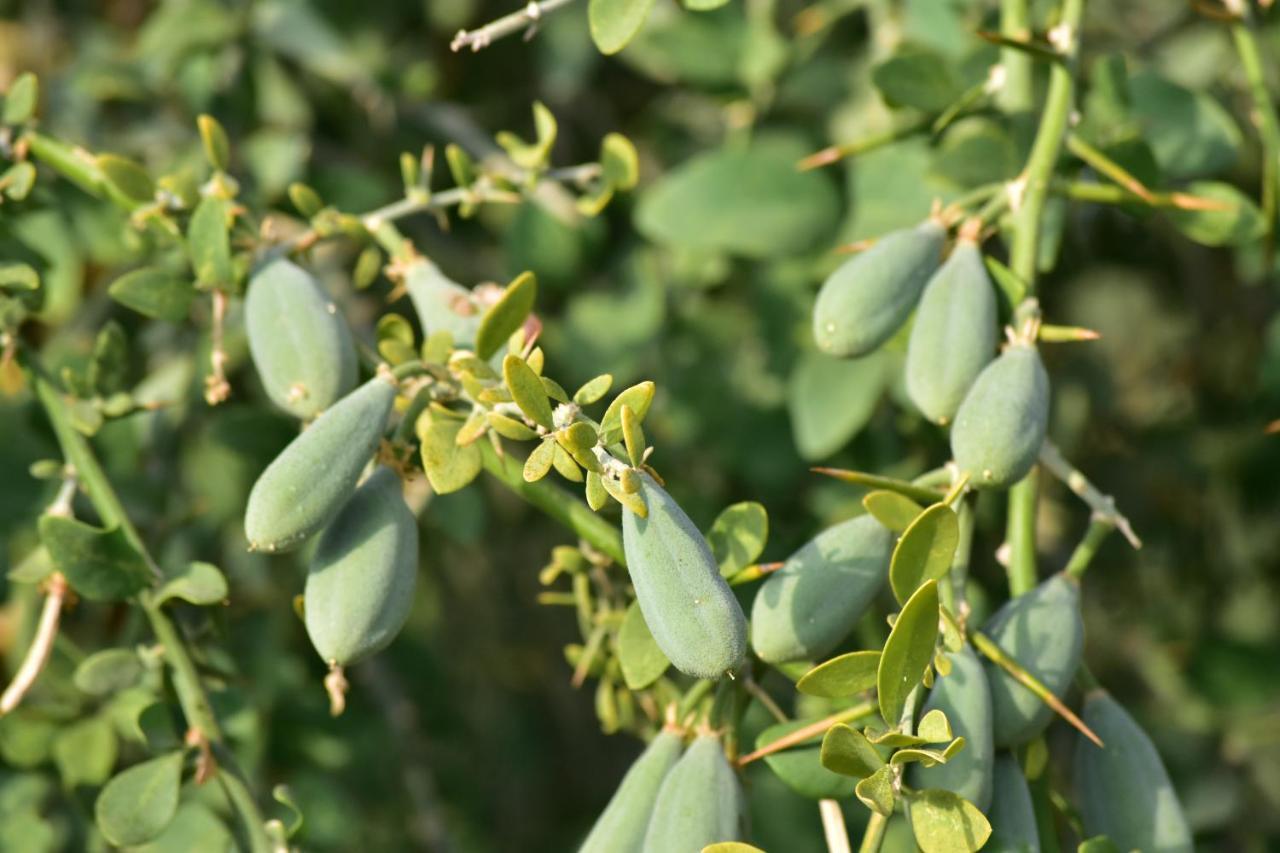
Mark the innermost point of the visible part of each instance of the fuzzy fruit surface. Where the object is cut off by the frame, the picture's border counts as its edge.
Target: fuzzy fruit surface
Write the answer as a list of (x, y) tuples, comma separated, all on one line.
[(1012, 814), (871, 295), (700, 802), (964, 697), (809, 605), (300, 343), (361, 579), (621, 826), (304, 487), (1123, 788), (689, 608), (1001, 424), (954, 335), (1044, 633)]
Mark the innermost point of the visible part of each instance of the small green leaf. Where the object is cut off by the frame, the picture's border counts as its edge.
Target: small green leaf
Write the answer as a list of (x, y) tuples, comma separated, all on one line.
[(155, 293), (209, 244), (738, 535), (100, 565), (923, 757), (216, 148), (128, 177), (917, 78), (509, 427), (925, 550), (619, 162), (891, 509), (292, 820), (638, 397), (85, 752), (564, 464), (944, 822), (35, 567), (934, 727), (638, 653), (539, 462), (1098, 844), (632, 435), (107, 671), (846, 751), (506, 315), (448, 466), (1236, 223), (615, 22), (841, 676), (893, 738), (138, 804), (395, 339), (633, 501), (18, 180), (195, 583), (460, 165), (593, 390), (21, 100), (876, 791), (908, 651), (731, 847), (305, 200), (18, 276), (800, 766), (527, 390), (597, 495)]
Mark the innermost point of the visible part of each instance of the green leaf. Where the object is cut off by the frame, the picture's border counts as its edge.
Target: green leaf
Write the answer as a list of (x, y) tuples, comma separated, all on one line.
[(738, 535), (109, 366), (923, 757), (138, 804), (194, 829), (128, 177), (1098, 844), (18, 180), (731, 846), (1190, 133), (638, 653), (448, 466), (539, 462), (101, 565), (917, 78), (461, 165), (195, 583), (615, 22), (934, 727), (21, 100), (619, 162), (1238, 222), (876, 791), (593, 390), (506, 315), (703, 5), (891, 509), (216, 148), (509, 427), (632, 435), (597, 494), (944, 822), (925, 550), (155, 293), (908, 651), (800, 767), (527, 390), (748, 201), (831, 400), (18, 276), (209, 244), (841, 676), (108, 671), (846, 751), (638, 397), (85, 752)]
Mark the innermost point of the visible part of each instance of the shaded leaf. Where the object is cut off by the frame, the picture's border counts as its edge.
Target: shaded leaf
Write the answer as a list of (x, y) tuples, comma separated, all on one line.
[(100, 565), (891, 509), (800, 767), (738, 535), (846, 751), (138, 804), (155, 293), (195, 583), (638, 653), (1239, 222), (831, 400), (908, 651), (916, 78), (108, 671), (85, 752)]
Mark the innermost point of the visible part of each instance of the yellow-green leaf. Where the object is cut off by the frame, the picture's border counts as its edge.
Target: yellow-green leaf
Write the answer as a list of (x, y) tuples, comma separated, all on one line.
[(944, 822), (138, 804), (638, 397), (527, 390), (841, 676), (448, 466), (891, 509), (506, 315), (539, 462), (615, 22), (846, 751), (908, 651), (925, 550)]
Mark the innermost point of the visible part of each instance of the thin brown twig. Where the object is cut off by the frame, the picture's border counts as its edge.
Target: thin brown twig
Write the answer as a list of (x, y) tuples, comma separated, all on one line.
[(41, 644), (1104, 506)]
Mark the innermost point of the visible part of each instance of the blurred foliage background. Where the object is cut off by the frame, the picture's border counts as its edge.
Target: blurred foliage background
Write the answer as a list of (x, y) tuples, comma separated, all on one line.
[(466, 735)]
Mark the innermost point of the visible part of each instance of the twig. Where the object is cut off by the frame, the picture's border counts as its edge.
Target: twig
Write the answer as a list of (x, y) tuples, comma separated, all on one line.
[(216, 387), (762, 696), (833, 826), (804, 733), (41, 644), (526, 19), (1103, 506)]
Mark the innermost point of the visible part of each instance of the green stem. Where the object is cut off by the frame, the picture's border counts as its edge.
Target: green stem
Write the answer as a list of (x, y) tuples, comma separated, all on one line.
[(1018, 95), (557, 503), (874, 834), (78, 166), (875, 481), (1082, 556), (1020, 533), (186, 679), (693, 696), (1251, 59), (964, 552)]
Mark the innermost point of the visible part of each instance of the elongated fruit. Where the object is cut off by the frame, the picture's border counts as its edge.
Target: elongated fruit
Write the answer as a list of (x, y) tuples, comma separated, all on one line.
[(1012, 815), (300, 344), (621, 826), (1044, 633), (700, 802), (1002, 422), (1123, 789), (871, 295), (304, 487), (809, 605), (964, 697), (687, 605), (954, 335), (360, 584)]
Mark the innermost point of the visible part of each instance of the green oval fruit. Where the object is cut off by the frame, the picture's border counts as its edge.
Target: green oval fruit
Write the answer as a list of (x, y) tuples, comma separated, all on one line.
[(360, 583), (621, 826), (871, 295), (700, 802), (809, 605), (688, 606), (1123, 789), (954, 335), (1012, 814), (1044, 633), (964, 697), (1002, 422), (300, 344), (304, 487)]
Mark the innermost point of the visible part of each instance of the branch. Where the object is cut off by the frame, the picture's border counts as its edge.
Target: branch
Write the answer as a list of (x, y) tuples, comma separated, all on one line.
[(41, 645), (526, 19), (1242, 32), (833, 827), (1103, 506)]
